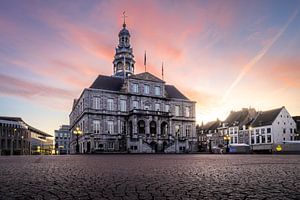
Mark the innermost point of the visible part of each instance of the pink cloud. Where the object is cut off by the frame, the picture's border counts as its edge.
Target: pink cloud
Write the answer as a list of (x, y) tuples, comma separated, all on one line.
[(26, 89)]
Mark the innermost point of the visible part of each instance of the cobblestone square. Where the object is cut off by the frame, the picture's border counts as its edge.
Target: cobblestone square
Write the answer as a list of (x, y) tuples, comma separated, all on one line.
[(150, 177)]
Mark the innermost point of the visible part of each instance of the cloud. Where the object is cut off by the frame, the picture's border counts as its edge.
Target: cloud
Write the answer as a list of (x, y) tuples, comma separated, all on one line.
[(259, 56), (22, 88)]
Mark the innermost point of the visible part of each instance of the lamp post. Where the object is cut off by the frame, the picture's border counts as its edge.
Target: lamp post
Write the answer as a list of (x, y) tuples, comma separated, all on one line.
[(22, 145), (12, 137), (227, 138), (77, 132)]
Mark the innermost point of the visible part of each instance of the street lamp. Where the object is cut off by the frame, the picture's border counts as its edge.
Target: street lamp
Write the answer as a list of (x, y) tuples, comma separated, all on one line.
[(22, 145), (12, 137), (77, 132), (227, 138)]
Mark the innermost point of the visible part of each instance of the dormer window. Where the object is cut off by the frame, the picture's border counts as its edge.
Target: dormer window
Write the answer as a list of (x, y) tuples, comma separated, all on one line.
[(157, 90)]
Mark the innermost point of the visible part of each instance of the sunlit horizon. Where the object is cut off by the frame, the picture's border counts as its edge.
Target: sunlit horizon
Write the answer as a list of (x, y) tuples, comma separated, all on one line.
[(219, 54)]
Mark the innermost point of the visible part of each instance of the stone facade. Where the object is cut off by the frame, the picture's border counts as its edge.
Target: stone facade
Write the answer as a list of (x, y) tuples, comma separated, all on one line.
[(62, 140), (129, 112)]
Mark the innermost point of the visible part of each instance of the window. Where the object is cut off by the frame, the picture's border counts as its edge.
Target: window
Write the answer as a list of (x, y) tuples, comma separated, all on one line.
[(96, 126), (187, 111), (263, 139), (146, 107), (269, 138), (188, 131), (176, 110), (177, 130), (146, 89), (135, 104), (96, 103), (291, 138), (157, 90), (235, 139), (291, 130), (123, 105), (110, 127), (167, 108), (284, 130), (123, 127), (263, 131), (157, 106), (135, 87), (257, 139), (110, 145), (252, 139), (110, 104), (268, 130)]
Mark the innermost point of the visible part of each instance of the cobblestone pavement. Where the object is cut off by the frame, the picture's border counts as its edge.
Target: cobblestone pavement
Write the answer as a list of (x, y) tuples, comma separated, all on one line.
[(150, 177)]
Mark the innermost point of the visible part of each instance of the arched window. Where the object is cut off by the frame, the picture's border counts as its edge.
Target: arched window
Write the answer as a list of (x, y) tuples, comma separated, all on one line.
[(141, 127), (164, 129), (153, 128)]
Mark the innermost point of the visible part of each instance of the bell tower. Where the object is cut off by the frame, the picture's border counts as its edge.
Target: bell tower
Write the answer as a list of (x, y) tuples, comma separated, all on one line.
[(123, 60)]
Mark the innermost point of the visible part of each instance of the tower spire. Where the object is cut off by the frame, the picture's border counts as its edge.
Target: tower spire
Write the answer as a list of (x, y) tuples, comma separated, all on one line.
[(123, 62), (124, 19)]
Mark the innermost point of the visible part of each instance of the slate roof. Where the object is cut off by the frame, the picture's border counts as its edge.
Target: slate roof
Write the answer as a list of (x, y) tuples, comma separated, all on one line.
[(108, 83), (236, 118), (115, 84), (213, 125), (146, 76), (266, 117), (173, 92)]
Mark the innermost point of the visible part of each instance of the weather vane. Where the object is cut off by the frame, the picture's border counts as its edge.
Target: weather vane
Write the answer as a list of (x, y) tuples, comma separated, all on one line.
[(124, 17)]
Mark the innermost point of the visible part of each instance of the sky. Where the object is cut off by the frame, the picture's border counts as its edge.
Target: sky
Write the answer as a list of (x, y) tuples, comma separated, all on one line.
[(225, 55)]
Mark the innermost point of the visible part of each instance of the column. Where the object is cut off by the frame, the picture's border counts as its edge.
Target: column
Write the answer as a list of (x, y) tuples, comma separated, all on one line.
[(140, 144), (92, 143)]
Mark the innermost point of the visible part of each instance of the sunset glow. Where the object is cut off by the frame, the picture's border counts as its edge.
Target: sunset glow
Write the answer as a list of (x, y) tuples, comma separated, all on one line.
[(224, 55)]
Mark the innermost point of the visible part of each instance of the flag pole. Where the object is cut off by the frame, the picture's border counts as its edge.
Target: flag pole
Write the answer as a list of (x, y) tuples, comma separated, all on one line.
[(124, 67), (145, 61), (162, 71)]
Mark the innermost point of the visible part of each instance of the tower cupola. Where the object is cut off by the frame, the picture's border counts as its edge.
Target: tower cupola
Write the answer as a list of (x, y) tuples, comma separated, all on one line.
[(124, 59)]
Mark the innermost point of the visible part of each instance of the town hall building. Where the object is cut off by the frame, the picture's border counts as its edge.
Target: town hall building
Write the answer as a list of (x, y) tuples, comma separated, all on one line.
[(134, 113)]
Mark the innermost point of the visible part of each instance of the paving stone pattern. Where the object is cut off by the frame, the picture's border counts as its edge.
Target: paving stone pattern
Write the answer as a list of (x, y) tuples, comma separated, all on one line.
[(150, 177)]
